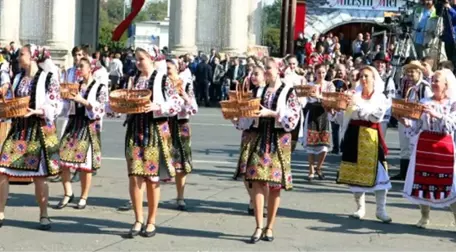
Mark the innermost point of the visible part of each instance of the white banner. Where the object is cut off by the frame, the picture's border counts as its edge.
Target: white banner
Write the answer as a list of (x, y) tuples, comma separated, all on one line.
[(378, 5)]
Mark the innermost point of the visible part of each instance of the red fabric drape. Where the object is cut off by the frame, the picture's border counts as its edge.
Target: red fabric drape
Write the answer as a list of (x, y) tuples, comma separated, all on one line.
[(300, 23), (136, 6)]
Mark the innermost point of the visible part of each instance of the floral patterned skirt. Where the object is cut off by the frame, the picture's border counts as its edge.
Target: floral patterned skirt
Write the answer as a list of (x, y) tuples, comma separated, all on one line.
[(270, 161), (30, 149), (181, 145), (317, 128), (147, 147), (80, 146), (247, 139)]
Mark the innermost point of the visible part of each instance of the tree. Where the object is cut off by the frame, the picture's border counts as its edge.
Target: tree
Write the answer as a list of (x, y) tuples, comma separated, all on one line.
[(271, 29), (272, 14)]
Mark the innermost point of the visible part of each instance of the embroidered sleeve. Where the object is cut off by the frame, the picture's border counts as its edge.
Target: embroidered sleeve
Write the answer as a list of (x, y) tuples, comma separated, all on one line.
[(99, 106), (192, 108), (52, 105), (415, 127), (173, 104), (448, 121), (289, 115), (243, 123)]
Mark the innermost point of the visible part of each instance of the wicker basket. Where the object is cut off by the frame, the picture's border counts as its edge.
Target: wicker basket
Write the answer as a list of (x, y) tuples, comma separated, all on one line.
[(235, 94), (229, 109), (335, 100), (305, 90), (67, 88), (128, 101), (15, 107), (248, 106), (402, 108)]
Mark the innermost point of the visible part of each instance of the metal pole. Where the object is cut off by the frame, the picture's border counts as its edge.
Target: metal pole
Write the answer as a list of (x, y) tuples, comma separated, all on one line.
[(291, 26), (283, 27)]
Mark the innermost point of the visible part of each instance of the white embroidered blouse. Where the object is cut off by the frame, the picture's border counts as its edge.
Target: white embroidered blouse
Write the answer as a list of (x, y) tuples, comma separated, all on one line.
[(446, 124)]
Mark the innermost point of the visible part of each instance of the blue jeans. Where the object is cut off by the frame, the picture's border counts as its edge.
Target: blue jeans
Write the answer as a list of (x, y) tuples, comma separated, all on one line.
[(225, 91)]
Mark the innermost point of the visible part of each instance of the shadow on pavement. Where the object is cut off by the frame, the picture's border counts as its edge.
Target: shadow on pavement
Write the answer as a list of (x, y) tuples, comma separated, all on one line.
[(347, 225)]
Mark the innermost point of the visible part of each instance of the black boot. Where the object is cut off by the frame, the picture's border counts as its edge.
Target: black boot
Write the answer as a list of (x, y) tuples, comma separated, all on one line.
[(403, 171)]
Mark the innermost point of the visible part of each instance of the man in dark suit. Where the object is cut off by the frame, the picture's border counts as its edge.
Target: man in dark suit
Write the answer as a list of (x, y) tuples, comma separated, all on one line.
[(14, 59), (203, 76), (235, 74)]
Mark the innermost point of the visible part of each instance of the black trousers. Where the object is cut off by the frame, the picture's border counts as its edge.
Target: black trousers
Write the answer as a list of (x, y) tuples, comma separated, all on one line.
[(203, 92), (335, 136), (451, 52)]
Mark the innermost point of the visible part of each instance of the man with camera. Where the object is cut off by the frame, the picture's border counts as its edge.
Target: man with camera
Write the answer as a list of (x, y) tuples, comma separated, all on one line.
[(424, 21)]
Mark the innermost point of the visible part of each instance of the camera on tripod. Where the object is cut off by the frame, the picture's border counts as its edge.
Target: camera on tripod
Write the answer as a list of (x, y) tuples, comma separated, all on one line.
[(401, 21)]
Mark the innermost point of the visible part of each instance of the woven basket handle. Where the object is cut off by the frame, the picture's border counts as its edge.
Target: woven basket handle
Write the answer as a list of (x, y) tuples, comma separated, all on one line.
[(238, 92), (407, 94), (245, 86), (12, 93)]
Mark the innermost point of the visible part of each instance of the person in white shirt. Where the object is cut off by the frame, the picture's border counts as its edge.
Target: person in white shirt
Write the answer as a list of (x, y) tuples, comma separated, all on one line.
[(115, 71)]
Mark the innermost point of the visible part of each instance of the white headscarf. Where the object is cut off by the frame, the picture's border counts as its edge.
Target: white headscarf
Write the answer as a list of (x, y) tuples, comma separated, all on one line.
[(379, 84), (450, 81), (379, 87)]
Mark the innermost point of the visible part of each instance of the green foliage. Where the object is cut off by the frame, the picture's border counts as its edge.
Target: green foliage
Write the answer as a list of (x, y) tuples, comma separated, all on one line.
[(272, 14), (272, 39), (271, 29), (111, 14)]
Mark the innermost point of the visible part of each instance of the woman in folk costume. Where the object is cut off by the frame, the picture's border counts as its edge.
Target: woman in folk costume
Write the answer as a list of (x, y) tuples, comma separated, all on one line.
[(363, 166), (414, 88), (317, 126), (431, 175), (80, 146), (148, 141), (269, 161), (70, 76), (180, 130), (247, 139), (31, 148)]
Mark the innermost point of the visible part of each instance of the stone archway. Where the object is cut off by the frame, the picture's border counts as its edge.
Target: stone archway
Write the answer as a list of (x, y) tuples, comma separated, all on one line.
[(323, 20)]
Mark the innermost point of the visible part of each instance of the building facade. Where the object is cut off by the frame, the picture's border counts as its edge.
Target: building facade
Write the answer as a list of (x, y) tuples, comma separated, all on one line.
[(57, 24), (321, 16), (227, 26)]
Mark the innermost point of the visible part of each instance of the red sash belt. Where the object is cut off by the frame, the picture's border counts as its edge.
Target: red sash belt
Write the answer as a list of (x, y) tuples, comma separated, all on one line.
[(376, 126)]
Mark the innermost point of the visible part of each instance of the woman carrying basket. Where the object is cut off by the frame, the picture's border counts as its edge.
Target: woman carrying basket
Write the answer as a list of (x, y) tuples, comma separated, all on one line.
[(180, 130), (80, 145), (269, 161), (247, 139), (148, 141), (431, 175), (363, 166), (31, 148), (317, 126)]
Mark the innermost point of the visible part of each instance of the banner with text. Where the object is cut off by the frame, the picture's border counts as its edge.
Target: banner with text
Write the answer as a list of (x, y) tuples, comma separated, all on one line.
[(379, 5)]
